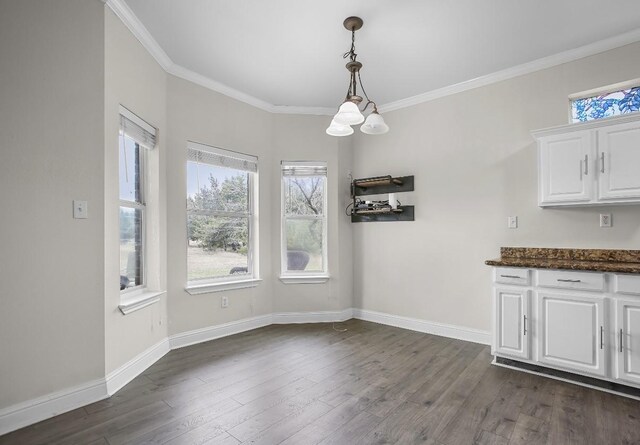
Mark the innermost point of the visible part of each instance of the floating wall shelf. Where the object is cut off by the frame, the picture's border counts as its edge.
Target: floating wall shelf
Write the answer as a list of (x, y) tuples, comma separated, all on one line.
[(376, 186)]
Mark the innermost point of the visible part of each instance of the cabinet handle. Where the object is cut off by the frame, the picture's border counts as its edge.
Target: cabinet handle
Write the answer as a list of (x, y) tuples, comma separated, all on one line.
[(620, 340), (586, 165), (601, 337), (525, 324), (568, 281), (602, 162), (510, 276)]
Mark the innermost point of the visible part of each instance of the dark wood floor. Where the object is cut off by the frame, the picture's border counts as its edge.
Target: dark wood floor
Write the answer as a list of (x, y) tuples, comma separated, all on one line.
[(309, 384)]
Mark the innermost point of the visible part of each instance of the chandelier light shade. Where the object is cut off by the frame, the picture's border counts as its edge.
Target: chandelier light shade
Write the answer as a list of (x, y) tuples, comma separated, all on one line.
[(336, 129), (374, 124), (349, 112)]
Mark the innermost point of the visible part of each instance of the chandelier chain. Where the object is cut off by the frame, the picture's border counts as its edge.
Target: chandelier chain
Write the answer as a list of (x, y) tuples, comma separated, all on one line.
[(352, 51)]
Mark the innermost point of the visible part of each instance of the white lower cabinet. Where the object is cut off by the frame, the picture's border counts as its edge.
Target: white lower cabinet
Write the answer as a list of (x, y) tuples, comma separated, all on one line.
[(628, 340), (584, 323), (571, 332), (511, 312)]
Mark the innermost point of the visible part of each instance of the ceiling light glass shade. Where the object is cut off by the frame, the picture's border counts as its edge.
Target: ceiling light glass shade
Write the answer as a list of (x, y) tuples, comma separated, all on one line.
[(336, 129), (374, 125), (349, 114)]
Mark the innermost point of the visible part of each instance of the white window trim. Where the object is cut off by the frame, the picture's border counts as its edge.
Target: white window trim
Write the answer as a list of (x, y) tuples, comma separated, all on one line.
[(600, 91), (252, 278), (134, 301), (605, 89), (303, 276), (142, 206), (209, 287), (304, 279)]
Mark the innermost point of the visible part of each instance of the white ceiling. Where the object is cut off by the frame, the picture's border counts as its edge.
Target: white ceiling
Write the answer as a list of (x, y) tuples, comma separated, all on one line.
[(289, 52)]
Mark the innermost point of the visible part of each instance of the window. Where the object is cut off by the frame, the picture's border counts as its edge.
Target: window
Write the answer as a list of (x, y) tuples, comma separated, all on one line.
[(304, 219), (136, 136), (221, 203), (612, 101)]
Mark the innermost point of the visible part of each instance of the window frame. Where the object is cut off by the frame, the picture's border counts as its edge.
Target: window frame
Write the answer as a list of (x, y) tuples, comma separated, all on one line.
[(251, 278), (142, 206), (302, 276), (604, 90)]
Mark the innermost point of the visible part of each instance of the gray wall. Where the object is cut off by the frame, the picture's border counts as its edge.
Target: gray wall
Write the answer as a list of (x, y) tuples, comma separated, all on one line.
[(51, 152), (200, 115), (65, 68), (474, 162), (135, 80)]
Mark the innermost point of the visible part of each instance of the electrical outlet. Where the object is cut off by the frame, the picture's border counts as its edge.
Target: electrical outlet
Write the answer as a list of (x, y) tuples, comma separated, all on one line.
[(224, 302), (512, 222), (605, 220)]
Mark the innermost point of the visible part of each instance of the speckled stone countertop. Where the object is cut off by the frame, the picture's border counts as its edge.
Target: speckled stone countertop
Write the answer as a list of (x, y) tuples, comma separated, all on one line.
[(599, 260)]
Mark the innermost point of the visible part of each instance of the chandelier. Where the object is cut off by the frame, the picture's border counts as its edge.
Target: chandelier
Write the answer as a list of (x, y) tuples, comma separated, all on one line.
[(349, 112)]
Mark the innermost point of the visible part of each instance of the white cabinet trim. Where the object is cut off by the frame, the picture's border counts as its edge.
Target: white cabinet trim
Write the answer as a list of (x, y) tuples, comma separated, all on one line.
[(589, 167), (608, 363)]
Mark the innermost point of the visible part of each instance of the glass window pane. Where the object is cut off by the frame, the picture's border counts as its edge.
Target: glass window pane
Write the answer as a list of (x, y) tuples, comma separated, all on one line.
[(217, 188), (606, 105), (304, 195), (304, 244), (218, 246), (130, 170), (131, 248)]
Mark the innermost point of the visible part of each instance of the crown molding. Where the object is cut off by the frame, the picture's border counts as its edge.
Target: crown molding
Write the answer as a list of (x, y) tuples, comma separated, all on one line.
[(291, 109), (131, 21), (126, 15), (206, 82), (519, 70)]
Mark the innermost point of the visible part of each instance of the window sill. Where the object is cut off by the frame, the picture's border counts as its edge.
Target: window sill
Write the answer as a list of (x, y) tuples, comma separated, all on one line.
[(139, 300), (218, 287), (304, 279)]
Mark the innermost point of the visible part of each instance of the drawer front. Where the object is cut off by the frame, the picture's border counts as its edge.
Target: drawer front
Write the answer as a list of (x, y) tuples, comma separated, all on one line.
[(513, 275), (569, 279), (627, 284)]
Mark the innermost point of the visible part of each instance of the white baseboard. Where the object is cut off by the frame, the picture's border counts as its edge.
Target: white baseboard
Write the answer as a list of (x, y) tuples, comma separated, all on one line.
[(311, 317), (223, 330), (136, 366), (36, 410), (429, 327)]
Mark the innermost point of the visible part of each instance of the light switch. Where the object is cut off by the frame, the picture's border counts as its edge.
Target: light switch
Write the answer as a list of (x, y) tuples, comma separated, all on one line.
[(512, 222), (80, 210)]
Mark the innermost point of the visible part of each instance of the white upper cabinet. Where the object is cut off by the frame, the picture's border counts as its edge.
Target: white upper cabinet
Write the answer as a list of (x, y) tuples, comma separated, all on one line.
[(565, 168), (619, 161), (591, 163)]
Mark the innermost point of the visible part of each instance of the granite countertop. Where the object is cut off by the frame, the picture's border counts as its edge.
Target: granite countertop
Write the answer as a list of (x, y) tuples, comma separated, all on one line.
[(598, 260)]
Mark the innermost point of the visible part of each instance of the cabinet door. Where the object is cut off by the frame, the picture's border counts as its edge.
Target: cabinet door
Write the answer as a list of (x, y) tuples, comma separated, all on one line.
[(565, 168), (619, 161), (511, 326), (571, 332), (628, 340)]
